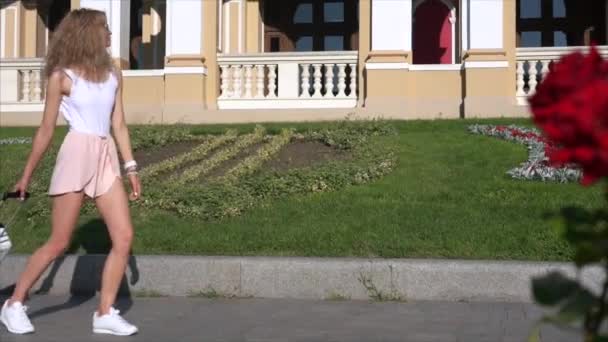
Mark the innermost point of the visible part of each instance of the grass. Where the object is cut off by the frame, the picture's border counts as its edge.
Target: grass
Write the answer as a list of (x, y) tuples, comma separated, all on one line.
[(448, 197)]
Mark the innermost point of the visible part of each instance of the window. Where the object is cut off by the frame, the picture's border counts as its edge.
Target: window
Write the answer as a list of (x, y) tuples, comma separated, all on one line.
[(334, 43), (530, 9), (559, 9), (530, 39), (310, 25), (304, 43), (303, 14), (560, 38), (50, 15), (147, 46), (333, 12), (561, 22)]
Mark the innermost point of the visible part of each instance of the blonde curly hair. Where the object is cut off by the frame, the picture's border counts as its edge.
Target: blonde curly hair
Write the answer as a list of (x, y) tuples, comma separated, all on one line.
[(79, 43)]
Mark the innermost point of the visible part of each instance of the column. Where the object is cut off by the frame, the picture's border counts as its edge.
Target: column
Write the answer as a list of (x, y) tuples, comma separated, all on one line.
[(489, 58), (365, 29), (118, 16), (234, 25), (387, 65), (30, 27), (253, 23), (10, 31), (210, 43)]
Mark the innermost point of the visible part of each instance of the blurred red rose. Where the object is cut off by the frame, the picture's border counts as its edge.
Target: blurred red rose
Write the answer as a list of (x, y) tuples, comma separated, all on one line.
[(571, 107)]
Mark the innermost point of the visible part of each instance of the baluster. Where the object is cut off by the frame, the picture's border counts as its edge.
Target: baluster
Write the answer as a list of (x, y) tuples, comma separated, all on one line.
[(248, 80), (236, 76), (329, 80), (37, 86), (272, 77), (225, 81), (26, 90), (305, 80), (353, 80), (317, 83), (532, 72), (520, 80), (341, 80), (259, 87), (545, 69)]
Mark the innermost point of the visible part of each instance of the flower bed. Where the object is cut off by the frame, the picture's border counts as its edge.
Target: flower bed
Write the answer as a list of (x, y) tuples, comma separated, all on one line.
[(537, 166), (15, 141), (246, 184)]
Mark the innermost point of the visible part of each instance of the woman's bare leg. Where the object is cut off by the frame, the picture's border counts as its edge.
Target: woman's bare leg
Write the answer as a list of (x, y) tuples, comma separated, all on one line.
[(114, 209), (65, 212)]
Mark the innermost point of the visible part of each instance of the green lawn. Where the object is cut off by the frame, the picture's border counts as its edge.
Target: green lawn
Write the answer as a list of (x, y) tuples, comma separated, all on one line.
[(448, 197)]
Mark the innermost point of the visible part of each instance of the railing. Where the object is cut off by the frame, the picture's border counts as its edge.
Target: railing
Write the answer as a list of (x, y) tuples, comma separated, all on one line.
[(533, 64), (21, 84), (288, 80)]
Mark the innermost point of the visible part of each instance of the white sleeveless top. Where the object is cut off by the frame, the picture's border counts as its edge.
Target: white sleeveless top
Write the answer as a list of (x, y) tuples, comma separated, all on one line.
[(89, 107)]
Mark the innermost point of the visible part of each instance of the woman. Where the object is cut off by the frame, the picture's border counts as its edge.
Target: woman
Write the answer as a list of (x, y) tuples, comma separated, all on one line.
[(84, 85)]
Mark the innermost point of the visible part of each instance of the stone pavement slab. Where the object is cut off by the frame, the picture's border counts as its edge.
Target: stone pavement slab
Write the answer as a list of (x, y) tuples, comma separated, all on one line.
[(303, 278), (68, 319)]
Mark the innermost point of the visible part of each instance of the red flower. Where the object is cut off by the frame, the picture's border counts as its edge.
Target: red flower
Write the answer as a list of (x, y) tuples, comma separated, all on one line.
[(571, 107)]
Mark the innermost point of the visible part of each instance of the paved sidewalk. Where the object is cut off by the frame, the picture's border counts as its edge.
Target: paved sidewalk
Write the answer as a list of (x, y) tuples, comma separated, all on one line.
[(64, 319)]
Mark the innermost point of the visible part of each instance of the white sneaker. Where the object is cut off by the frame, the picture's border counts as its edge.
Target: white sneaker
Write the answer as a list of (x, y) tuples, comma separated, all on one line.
[(113, 324), (15, 319)]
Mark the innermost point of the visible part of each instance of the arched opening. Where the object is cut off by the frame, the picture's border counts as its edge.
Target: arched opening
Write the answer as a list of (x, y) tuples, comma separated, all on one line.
[(434, 32), (50, 14), (57, 11)]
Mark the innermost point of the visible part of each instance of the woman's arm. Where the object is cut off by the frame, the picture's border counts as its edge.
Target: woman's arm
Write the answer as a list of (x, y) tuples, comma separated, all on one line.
[(44, 133), (119, 125), (121, 134)]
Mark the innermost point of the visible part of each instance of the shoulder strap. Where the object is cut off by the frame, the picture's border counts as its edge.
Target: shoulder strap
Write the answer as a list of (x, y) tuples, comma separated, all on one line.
[(70, 74)]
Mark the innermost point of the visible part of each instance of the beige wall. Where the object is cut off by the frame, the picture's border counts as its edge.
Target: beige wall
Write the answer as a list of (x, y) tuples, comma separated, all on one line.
[(400, 93), (184, 89), (406, 94), (144, 90), (491, 92), (435, 84)]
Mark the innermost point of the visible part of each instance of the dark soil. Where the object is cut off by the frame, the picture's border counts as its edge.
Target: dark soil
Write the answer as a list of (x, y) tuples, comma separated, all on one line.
[(229, 164), (154, 155), (297, 154), (302, 154)]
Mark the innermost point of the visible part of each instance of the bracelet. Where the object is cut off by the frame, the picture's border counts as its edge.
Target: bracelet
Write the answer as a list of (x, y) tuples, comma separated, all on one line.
[(130, 163), (132, 172)]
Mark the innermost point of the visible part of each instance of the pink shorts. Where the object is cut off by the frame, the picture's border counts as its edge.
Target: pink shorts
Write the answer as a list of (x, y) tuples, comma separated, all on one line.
[(85, 162)]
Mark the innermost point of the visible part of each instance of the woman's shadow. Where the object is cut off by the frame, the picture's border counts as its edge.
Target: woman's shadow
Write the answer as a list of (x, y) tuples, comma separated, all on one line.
[(94, 239)]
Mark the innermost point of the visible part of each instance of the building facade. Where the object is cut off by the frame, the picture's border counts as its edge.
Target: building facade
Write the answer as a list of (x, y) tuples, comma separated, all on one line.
[(198, 61)]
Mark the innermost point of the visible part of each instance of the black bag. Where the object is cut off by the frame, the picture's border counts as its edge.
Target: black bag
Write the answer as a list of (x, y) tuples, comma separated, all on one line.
[(11, 212)]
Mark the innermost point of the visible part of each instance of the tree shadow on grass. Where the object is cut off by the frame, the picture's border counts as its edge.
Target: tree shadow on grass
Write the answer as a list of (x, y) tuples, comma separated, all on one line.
[(94, 239)]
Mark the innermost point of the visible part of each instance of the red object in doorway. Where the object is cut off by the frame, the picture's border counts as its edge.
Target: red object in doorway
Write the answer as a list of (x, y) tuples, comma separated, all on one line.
[(432, 33)]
